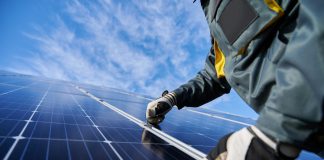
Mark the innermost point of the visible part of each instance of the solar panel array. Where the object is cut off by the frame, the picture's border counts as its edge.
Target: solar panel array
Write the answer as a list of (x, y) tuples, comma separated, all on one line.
[(50, 119)]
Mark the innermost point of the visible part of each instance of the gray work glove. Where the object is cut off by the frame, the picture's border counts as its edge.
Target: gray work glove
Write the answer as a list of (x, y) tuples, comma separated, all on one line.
[(250, 144), (157, 109)]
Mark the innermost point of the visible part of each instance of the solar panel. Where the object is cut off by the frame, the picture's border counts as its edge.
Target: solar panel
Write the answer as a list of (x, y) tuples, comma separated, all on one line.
[(50, 119)]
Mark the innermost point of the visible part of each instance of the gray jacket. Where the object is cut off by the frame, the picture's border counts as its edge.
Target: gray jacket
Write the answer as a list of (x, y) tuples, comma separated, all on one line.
[(272, 54)]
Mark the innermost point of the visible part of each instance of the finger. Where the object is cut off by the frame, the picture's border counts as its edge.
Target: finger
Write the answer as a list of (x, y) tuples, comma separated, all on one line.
[(162, 108), (155, 120), (151, 120), (150, 110)]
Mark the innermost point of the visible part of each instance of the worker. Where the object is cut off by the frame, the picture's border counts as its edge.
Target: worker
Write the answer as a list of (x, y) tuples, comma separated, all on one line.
[(271, 52)]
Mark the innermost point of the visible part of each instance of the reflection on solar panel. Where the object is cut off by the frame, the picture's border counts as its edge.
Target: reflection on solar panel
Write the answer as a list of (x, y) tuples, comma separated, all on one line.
[(49, 119)]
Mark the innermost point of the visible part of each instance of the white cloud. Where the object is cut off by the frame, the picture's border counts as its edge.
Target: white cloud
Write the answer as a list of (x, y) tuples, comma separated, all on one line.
[(144, 47)]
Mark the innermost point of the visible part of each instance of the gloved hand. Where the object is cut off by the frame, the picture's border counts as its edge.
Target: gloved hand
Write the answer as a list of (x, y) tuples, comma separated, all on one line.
[(157, 109), (251, 144)]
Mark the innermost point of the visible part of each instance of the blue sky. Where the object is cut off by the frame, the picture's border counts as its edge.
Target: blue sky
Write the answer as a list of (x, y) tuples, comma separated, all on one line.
[(143, 46)]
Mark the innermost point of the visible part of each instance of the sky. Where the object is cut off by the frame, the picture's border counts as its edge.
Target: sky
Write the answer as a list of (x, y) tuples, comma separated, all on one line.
[(141, 46)]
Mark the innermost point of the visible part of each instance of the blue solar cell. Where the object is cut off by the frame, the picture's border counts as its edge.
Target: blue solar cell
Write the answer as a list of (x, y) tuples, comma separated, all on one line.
[(19, 149), (82, 120), (79, 150), (99, 150), (108, 122), (42, 117), (194, 138), (5, 144), (58, 131), (123, 135), (69, 119), (34, 149), (57, 118), (90, 133), (73, 132), (149, 151), (10, 128), (58, 149), (4, 113), (19, 115), (37, 130)]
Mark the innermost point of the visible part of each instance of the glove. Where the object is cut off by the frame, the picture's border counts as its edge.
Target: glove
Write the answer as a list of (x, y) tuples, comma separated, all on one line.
[(157, 109), (250, 144)]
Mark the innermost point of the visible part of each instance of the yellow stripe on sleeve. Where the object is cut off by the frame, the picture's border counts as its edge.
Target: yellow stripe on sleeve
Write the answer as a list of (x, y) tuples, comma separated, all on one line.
[(273, 5), (219, 61)]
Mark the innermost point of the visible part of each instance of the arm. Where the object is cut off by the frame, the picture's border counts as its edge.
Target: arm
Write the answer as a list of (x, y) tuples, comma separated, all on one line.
[(202, 88), (199, 90), (294, 112)]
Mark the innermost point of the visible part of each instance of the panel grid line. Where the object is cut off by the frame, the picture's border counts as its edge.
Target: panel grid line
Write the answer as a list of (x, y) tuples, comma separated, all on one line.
[(67, 142), (86, 147), (49, 137), (131, 145), (19, 137), (25, 149), (106, 140)]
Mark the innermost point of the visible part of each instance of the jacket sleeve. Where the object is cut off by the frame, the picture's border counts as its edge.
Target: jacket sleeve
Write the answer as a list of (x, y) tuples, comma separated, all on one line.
[(203, 88), (294, 112)]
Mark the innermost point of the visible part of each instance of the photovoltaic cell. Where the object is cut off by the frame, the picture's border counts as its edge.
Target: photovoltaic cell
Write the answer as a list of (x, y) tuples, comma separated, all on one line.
[(49, 119)]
